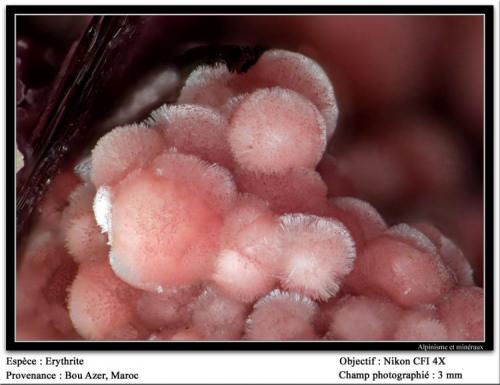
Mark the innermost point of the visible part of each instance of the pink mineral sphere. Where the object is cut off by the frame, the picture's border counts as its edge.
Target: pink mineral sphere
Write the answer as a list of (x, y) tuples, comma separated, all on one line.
[(274, 129), (194, 129), (319, 253), (208, 86), (363, 318), (282, 316), (419, 326), (297, 72), (100, 304), (404, 273), (121, 150), (217, 316), (157, 225)]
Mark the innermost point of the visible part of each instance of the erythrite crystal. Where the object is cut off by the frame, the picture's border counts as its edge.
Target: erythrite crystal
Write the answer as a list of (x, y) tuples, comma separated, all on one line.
[(217, 316), (155, 222), (301, 74), (282, 316), (121, 150), (207, 86), (462, 311), (363, 318), (404, 273), (194, 129), (273, 130), (420, 326), (319, 253), (214, 86), (99, 303)]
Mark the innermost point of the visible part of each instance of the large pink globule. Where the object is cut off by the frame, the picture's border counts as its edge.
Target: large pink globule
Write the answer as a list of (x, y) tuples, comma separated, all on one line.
[(99, 303), (363, 318), (319, 252), (404, 273), (155, 221), (282, 316)]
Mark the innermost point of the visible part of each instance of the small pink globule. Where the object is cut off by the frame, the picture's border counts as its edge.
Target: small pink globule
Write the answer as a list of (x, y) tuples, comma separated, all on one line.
[(319, 253), (217, 316), (240, 277), (282, 316), (194, 129), (299, 73), (84, 240), (155, 223), (462, 312), (363, 318), (207, 86), (122, 150), (273, 130), (99, 304), (419, 326), (402, 272)]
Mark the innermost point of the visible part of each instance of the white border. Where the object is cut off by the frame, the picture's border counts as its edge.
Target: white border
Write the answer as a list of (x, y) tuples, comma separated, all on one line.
[(269, 367)]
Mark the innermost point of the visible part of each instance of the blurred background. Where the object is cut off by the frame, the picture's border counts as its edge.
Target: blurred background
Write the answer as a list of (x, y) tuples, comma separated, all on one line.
[(409, 88)]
